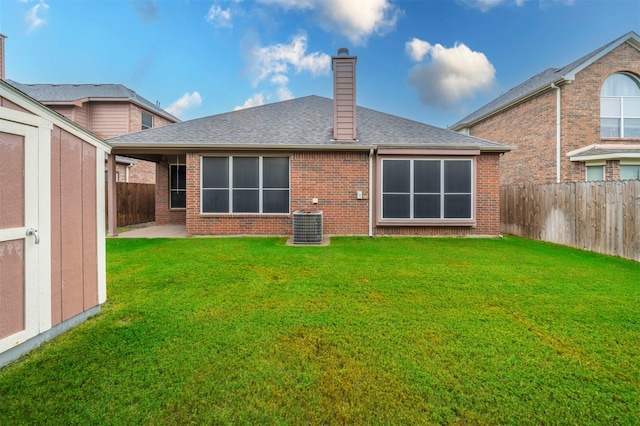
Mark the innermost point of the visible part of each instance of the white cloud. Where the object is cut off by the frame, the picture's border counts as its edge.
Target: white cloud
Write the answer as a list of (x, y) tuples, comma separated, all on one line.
[(255, 100), (485, 5), (185, 102), (219, 17), (451, 75), (33, 17), (417, 49), (278, 59), (355, 19), (284, 94)]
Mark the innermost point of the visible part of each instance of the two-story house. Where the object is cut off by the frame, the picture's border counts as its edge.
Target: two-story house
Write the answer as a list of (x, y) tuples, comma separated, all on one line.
[(574, 123), (107, 110)]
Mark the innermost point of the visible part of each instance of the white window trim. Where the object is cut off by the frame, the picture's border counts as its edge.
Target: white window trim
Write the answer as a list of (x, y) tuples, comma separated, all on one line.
[(381, 221), (622, 116), (600, 164), (231, 188)]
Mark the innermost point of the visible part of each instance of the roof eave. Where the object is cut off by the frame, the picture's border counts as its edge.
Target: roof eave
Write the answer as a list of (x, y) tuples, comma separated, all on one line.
[(631, 38), (35, 107), (532, 94), (607, 156), (130, 147)]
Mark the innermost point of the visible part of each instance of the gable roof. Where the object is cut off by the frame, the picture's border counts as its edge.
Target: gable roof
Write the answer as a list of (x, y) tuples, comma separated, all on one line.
[(542, 82), (74, 93), (304, 123), (45, 114)]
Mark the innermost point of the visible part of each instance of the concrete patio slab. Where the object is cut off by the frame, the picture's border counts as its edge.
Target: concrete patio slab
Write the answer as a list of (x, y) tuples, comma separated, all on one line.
[(166, 231)]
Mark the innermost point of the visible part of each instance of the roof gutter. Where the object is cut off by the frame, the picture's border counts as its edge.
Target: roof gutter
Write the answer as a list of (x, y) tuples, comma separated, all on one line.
[(511, 104), (128, 147)]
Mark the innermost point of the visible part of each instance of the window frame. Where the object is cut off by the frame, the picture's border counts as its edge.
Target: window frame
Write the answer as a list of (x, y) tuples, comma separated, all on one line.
[(230, 188), (462, 156), (593, 165), (634, 164), (142, 125), (621, 117), (171, 189)]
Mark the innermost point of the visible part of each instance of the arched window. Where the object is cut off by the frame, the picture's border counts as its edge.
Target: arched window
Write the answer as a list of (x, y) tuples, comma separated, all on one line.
[(620, 107)]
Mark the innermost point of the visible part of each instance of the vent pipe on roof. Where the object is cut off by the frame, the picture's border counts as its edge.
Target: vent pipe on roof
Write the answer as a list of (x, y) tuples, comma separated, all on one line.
[(2, 37), (344, 96)]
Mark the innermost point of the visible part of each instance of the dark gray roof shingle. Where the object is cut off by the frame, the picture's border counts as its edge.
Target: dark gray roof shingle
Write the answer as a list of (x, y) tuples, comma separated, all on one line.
[(304, 122), (74, 92), (541, 81)]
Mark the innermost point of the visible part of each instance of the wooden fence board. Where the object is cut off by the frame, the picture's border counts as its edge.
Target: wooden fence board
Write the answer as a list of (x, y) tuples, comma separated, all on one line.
[(136, 203), (596, 216)]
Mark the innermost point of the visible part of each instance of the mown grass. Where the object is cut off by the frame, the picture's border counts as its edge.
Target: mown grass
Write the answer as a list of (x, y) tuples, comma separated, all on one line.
[(384, 331)]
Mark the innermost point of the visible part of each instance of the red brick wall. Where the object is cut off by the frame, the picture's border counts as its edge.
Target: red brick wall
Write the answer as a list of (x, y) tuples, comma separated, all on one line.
[(334, 179), (531, 126), (164, 215), (331, 177), (487, 198), (142, 172), (581, 108)]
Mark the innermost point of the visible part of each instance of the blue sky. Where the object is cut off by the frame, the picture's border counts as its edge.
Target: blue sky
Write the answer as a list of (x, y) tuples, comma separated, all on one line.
[(432, 61)]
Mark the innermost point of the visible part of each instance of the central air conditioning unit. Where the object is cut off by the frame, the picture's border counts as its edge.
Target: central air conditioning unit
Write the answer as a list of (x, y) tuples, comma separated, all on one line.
[(307, 227)]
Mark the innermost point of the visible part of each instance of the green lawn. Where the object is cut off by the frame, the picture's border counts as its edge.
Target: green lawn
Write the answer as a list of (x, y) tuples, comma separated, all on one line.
[(382, 331)]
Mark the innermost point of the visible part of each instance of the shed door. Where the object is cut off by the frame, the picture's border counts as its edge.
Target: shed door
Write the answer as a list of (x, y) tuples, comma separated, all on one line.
[(19, 180)]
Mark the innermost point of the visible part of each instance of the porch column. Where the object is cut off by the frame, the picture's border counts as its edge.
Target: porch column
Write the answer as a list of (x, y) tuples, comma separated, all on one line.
[(112, 203)]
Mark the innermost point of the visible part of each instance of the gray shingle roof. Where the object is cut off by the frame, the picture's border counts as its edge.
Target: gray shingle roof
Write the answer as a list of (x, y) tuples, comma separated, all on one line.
[(302, 122), (602, 152), (74, 92), (543, 81)]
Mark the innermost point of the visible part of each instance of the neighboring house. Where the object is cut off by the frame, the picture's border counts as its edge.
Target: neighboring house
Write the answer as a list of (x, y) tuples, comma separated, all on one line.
[(575, 123), (246, 172), (52, 233), (107, 110)]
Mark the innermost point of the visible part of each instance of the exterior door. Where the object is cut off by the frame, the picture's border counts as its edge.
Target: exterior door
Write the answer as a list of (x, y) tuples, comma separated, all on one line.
[(20, 300)]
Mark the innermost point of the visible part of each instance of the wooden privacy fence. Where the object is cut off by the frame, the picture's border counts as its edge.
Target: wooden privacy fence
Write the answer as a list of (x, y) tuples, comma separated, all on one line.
[(598, 216), (136, 203)]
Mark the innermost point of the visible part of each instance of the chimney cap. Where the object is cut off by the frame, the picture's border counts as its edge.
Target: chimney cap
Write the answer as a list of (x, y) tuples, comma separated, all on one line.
[(343, 51)]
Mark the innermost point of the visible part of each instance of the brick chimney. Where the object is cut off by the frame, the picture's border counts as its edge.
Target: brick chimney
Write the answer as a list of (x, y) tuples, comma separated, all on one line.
[(344, 96), (2, 37)]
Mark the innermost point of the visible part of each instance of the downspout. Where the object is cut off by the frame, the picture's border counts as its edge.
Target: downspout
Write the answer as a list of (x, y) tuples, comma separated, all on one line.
[(371, 193), (558, 134)]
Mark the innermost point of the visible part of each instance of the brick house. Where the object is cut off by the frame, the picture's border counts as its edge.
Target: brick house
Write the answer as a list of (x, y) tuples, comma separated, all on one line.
[(107, 110), (246, 172), (575, 123)]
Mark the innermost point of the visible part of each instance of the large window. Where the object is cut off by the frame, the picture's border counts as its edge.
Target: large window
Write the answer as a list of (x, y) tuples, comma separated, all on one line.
[(620, 107), (629, 172), (245, 185), (427, 189), (178, 186)]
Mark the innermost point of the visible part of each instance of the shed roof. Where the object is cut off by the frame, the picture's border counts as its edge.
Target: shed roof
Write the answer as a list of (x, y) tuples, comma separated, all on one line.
[(542, 81), (70, 93), (305, 123)]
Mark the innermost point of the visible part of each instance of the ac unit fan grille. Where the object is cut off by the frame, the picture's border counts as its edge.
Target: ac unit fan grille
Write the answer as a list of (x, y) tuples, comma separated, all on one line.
[(307, 227)]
